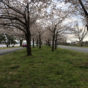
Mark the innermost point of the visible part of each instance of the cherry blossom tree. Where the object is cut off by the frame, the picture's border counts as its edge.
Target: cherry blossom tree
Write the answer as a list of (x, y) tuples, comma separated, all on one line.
[(21, 15)]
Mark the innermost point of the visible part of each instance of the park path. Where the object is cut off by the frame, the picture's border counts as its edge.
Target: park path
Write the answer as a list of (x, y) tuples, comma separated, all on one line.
[(79, 49), (6, 51)]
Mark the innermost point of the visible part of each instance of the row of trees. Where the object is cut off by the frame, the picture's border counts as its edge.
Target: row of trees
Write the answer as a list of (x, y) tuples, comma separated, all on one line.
[(7, 39), (37, 19), (20, 15)]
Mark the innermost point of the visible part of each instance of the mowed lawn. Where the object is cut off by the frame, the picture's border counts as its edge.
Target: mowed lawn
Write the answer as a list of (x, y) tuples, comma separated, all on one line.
[(44, 69)]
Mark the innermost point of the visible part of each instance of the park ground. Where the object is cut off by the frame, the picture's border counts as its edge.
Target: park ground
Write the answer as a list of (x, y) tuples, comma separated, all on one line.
[(44, 69)]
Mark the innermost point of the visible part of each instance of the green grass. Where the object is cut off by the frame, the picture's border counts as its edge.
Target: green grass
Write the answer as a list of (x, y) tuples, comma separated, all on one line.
[(44, 69)]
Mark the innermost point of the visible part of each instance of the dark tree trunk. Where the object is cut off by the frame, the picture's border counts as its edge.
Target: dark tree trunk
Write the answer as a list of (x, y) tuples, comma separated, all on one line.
[(28, 33), (48, 42), (33, 43), (7, 45), (28, 39), (53, 43), (83, 7), (56, 43), (81, 43), (37, 43), (40, 43), (21, 40), (85, 11)]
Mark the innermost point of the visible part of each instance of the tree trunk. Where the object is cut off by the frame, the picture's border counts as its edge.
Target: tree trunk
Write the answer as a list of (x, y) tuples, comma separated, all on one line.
[(53, 42), (48, 42), (56, 44), (33, 43), (28, 39), (81, 43), (85, 11), (56, 40), (28, 33), (40, 43), (83, 7), (21, 40), (7, 45), (37, 43)]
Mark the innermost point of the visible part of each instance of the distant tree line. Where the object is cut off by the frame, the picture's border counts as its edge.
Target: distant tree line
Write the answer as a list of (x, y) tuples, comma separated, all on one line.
[(7, 39)]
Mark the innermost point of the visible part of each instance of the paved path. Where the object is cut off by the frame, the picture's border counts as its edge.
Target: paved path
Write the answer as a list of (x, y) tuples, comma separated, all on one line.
[(6, 51), (79, 49)]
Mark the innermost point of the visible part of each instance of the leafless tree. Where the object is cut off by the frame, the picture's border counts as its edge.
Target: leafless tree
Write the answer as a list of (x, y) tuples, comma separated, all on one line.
[(80, 33)]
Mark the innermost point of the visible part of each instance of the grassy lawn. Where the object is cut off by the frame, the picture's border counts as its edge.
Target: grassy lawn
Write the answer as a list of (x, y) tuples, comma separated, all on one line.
[(45, 69)]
